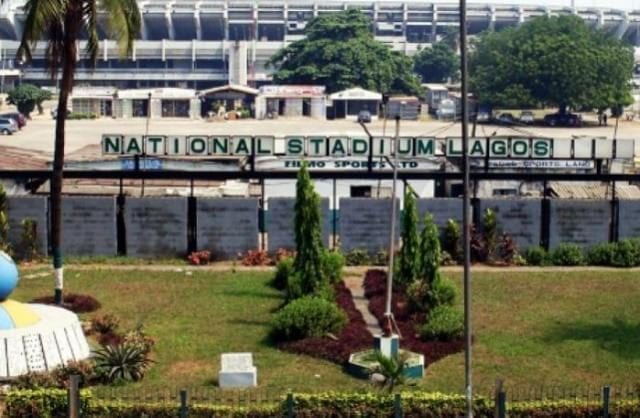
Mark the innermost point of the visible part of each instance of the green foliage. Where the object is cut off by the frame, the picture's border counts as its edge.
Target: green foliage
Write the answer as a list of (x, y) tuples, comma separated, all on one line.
[(408, 263), (490, 232), (626, 253), (333, 262), (381, 258), (26, 97), (84, 368), (424, 298), (308, 230), (339, 51), (444, 323), (552, 61), (392, 368), (82, 115), (4, 222), (357, 257), (437, 64), (29, 249), (138, 337), (567, 255), (536, 256), (307, 316), (284, 270), (452, 239), (430, 252), (105, 323), (122, 362), (601, 254)]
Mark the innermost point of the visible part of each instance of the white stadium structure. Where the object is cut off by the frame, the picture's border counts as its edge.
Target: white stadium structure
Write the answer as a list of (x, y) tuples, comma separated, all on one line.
[(204, 43)]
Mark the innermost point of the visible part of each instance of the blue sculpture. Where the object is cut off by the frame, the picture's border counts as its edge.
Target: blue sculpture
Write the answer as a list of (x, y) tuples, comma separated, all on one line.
[(8, 276)]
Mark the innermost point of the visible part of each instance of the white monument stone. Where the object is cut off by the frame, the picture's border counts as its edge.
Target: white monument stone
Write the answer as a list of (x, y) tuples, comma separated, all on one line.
[(237, 371)]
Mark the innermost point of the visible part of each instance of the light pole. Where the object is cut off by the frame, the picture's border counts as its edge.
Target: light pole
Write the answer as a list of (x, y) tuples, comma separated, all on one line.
[(465, 210)]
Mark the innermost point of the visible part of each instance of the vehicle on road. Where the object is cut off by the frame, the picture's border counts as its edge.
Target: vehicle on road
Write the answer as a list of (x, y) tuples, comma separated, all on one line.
[(18, 117), (527, 117), (364, 116), (446, 109), (8, 126), (563, 119), (506, 119), (484, 115)]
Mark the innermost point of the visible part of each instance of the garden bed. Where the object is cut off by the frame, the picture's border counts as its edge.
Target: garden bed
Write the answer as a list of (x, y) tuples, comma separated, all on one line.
[(408, 323)]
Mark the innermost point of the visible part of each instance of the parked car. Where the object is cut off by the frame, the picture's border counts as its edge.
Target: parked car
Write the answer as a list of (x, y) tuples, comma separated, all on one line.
[(563, 119), (506, 119), (446, 109), (484, 115), (21, 121), (8, 126), (364, 116), (527, 117)]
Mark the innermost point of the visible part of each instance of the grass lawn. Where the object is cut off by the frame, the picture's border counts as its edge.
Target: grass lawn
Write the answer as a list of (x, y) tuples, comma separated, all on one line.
[(531, 329)]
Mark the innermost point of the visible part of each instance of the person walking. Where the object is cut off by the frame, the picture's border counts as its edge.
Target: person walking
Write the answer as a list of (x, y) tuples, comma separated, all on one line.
[(604, 118)]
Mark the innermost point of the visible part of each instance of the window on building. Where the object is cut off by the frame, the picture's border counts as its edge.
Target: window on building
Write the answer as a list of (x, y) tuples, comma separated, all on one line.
[(360, 191), (175, 108)]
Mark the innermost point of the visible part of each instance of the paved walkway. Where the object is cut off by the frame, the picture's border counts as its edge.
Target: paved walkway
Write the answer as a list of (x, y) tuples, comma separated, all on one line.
[(356, 285)]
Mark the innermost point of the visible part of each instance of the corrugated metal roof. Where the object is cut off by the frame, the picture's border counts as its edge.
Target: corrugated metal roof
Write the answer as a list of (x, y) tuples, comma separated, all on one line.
[(593, 191)]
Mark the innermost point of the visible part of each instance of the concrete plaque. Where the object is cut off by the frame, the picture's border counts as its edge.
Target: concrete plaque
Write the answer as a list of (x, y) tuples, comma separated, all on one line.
[(518, 217), (89, 226), (50, 348), (227, 226), (365, 224), (237, 371), (582, 222), (34, 354), (16, 357), (156, 226), (280, 223)]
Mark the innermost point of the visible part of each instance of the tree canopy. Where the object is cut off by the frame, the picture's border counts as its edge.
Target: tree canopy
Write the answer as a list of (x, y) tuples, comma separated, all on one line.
[(552, 61), (437, 64), (339, 51), (26, 97)]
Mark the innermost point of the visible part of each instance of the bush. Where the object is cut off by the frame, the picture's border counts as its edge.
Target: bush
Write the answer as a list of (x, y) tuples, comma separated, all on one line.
[(76, 303), (381, 259), (34, 380), (443, 324), (333, 263), (452, 240), (307, 317), (139, 338), (626, 253), (536, 256), (104, 324), (423, 299), (82, 115), (601, 254), (255, 258), (567, 255), (28, 249), (284, 270), (357, 257), (84, 368), (199, 258), (122, 362)]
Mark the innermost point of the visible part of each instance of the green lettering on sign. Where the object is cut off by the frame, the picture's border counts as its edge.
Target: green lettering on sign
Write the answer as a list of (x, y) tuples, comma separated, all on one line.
[(264, 145), (220, 145), (454, 147), (111, 144), (155, 144), (477, 148), (317, 146), (359, 146), (197, 146), (519, 148), (338, 147), (134, 146), (541, 148), (241, 145), (499, 148), (425, 147), (405, 146), (295, 146)]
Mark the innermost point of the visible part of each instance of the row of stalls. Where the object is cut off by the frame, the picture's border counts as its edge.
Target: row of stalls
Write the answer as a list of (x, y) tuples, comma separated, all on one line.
[(267, 102)]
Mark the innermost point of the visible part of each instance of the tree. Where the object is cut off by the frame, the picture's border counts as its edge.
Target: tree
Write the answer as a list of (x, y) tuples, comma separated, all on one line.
[(26, 97), (308, 264), (339, 51), (436, 64), (408, 260), (62, 22), (429, 252), (552, 61)]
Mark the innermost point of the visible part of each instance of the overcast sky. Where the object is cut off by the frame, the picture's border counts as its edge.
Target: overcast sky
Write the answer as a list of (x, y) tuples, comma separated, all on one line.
[(617, 4)]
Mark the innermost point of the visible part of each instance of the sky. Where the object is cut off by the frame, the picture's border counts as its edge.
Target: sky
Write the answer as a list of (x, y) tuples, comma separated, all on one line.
[(616, 4)]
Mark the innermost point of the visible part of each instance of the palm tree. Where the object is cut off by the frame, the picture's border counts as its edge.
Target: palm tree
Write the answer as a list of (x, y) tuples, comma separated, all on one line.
[(61, 23)]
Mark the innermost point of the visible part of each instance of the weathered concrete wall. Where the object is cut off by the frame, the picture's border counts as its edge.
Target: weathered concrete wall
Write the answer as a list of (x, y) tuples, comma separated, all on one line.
[(629, 220), (442, 210), (89, 226), (280, 223), (518, 217), (582, 222), (20, 208), (227, 226), (364, 224), (156, 226)]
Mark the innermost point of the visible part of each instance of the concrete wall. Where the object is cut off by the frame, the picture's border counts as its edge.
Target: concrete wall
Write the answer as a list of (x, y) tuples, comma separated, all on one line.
[(629, 219), (280, 223), (89, 226), (156, 226), (227, 227), (364, 224), (518, 217), (442, 210), (34, 207), (582, 222)]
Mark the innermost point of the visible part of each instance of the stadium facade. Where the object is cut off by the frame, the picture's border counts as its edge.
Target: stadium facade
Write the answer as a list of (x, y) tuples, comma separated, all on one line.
[(205, 43)]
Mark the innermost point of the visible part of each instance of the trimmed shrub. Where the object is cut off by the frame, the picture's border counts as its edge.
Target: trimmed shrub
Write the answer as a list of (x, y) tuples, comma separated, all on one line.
[(308, 316), (567, 255), (357, 257), (626, 253), (536, 256), (443, 324), (284, 270), (333, 263), (408, 267), (422, 299), (601, 254)]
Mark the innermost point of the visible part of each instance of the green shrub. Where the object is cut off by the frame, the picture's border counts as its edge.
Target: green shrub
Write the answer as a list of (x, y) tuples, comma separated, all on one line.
[(357, 257), (105, 323), (35, 380), (423, 299), (444, 323), (82, 115), (308, 316), (567, 255), (626, 253), (536, 256), (84, 368), (122, 362), (381, 259), (333, 263), (601, 254), (452, 239), (294, 287), (284, 270)]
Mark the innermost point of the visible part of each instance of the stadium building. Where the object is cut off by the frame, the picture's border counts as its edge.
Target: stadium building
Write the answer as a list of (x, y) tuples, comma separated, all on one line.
[(201, 44)]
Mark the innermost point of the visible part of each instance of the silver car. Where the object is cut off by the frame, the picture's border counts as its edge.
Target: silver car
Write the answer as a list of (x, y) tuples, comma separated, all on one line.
[(527, 117), (8, 126)]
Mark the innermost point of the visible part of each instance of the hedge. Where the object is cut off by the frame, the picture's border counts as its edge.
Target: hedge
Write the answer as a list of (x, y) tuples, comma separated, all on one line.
[(52, 403)]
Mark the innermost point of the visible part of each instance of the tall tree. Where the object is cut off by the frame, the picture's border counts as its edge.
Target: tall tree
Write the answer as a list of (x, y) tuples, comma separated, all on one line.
[(61, 23), (552, 61), (430, 257), (339, 51), (308, 230), (436, 64), (408, 260)]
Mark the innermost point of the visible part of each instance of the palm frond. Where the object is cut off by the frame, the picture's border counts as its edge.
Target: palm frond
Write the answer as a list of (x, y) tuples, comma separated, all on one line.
[(90, 13), (42, 16), (124, 22)]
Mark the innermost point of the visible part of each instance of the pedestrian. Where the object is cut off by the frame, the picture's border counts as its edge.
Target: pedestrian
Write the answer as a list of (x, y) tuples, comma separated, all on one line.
[(604, 117), (599, 118)]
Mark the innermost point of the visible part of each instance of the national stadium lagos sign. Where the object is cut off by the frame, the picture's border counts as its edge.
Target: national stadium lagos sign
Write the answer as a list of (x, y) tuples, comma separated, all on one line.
[(292, 148)]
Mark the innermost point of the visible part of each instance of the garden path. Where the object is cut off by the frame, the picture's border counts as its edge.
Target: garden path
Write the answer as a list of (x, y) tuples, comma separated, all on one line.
[(355, 283)]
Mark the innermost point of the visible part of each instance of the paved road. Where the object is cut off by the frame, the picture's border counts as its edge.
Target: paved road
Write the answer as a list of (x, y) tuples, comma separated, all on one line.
[(38, 134)]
